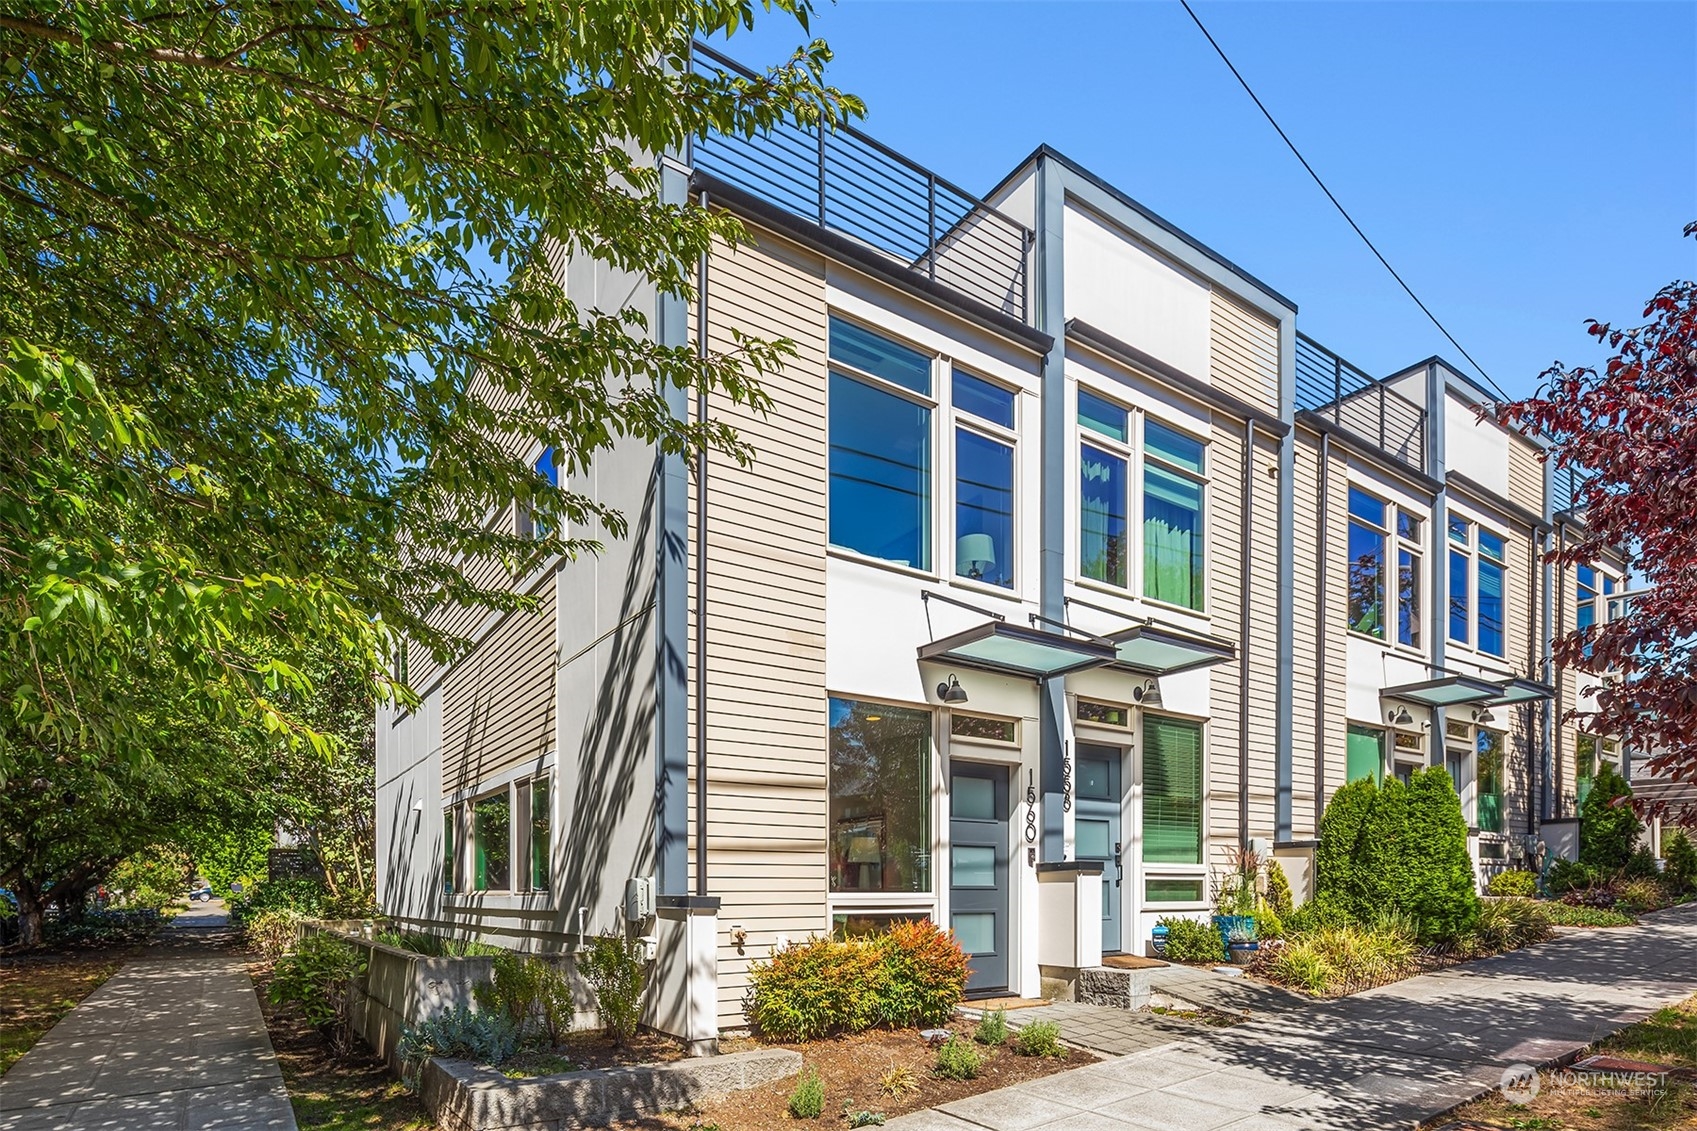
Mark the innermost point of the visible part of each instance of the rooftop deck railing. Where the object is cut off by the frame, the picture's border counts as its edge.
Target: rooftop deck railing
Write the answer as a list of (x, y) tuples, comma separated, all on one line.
[(850, 184), (1368, 409)]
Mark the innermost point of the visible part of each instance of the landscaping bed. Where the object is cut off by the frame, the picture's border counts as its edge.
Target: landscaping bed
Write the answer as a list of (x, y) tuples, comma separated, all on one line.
[(37, 989), (859, 1072), (1618, 1099), (327, 1093)]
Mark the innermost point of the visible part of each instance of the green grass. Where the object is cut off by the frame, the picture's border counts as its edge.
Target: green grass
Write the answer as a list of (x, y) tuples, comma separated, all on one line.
[(36, 991), (1667, 1036)]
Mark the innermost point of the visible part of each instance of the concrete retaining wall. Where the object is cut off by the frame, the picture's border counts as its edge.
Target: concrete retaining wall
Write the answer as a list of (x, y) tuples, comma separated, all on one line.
[(463, 1097)]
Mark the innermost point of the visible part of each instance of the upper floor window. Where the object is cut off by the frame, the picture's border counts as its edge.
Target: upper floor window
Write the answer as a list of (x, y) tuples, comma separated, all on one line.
[(1594, 600), (1174, 481), (547, 467), (1478, 572), (1375, 528), (984, 480), (880, 447)]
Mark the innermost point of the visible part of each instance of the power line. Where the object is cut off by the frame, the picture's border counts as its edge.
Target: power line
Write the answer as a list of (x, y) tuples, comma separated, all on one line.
[(1220, 51)]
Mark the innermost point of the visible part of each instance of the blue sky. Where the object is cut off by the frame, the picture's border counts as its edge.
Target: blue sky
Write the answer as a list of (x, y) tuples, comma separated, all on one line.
[(1525, 166)]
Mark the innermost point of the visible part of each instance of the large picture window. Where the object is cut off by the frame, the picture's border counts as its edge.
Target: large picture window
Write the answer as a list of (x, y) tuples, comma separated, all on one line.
[(1172, 516), (880, 797), (1478, 576), (1103, 524), (1492, 573), (880, 447), (1172, 791)]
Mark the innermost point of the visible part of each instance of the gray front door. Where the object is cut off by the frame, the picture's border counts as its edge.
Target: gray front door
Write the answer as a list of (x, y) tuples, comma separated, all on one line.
[(978, 872), (1096, 831)]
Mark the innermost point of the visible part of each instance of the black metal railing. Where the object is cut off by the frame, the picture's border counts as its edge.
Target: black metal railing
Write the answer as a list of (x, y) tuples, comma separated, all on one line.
[(1368, 409), (849, 183), (1569, 488)]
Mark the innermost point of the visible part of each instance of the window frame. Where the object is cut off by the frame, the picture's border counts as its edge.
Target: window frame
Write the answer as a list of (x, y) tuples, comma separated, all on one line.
[(1138, 864), (934, 408), (1396, 544), (962, 419), (1472, 553), (1134, 451)]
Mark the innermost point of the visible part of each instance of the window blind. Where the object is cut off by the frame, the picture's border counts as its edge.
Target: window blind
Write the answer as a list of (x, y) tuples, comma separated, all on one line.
[(1172, 791)]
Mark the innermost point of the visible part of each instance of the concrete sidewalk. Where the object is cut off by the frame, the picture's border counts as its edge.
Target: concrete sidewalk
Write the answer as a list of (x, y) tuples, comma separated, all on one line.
[(1389, 1057), (174, 1042)]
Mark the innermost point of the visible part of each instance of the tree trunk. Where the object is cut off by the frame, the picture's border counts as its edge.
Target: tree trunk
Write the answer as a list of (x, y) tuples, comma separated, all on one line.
[(31, 911)]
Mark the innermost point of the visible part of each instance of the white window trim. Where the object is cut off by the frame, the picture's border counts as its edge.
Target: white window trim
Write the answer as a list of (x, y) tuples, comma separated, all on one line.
[(1390, 598), (960, 419), (1135, 452)]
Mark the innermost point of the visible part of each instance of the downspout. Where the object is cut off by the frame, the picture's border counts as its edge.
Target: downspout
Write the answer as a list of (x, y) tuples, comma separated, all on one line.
[(1531, 662), (1547, 720), (1321, 624), (701, 585), (1559, 708), (1243, 636), (1284, 709)]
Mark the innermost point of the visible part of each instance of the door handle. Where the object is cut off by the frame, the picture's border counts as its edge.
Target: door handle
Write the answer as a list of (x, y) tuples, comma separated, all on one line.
[(1119, 873)]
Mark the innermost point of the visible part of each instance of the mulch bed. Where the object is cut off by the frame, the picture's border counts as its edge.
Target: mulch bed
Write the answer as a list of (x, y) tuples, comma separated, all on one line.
[(853, 1069)]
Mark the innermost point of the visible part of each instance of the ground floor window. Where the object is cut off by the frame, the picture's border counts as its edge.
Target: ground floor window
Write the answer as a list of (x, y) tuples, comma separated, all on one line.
[(1490, 772), (880, 797), (492, 850), (541, 833), (450, 870), (1590, 756), (1172, 791), (1172, 890), (1364, 753)]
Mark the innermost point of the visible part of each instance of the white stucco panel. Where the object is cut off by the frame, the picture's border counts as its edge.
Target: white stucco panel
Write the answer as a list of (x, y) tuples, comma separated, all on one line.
[(1475, 448), (1124, 289)]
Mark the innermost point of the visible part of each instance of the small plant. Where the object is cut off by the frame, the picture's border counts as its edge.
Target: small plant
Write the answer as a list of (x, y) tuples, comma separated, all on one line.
[(1269, 923), (1568, 875), (1040, 1038), (958, 1059), (1564, 914), (1301, 967), (899, 1081), (616, 969), (1509, 924), (272, 932), (1278, 890), (808, 1099), (319, 978), (1316, 915), (534, 993), (1681, 856), (1641, 895), (486, 1038), (1513, 883), (992, 1028), (1190, 941), (1641, 865), (866, 1119)]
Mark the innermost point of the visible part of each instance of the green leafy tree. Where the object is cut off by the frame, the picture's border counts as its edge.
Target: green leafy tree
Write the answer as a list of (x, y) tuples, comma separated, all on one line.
[(1608, 828), (276, 300), (1383, 853), (1439, 888), (1335, 879)]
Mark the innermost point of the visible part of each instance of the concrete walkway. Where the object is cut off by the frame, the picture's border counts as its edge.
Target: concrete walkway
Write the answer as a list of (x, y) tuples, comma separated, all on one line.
[(173, 1042), (1389, 1057)]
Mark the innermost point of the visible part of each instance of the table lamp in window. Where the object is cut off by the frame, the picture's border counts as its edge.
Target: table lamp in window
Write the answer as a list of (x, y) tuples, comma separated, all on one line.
[(975, 555)]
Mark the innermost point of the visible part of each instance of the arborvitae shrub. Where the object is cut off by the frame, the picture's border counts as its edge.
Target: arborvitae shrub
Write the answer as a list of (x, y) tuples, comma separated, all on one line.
[(1439, 889), (1608, 828), (1340, 829), (1681, 856), (1278, 889), (1382, 853)]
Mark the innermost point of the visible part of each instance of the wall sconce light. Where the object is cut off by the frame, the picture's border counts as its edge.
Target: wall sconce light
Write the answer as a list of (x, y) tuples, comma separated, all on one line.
[(1149, 695), (1399, 717), (952, 691), (1484, 716)]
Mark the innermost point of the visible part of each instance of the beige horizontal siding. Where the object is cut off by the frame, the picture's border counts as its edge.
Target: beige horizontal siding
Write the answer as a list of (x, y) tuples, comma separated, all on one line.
[(1525, 473), (765, 678), (1243, 352), (498, 702)]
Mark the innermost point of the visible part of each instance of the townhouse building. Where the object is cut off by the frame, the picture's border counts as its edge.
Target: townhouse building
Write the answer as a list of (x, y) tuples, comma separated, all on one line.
[(1065, 567)]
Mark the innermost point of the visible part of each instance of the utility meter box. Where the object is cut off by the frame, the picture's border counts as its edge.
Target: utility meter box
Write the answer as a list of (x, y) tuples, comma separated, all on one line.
[(639, 899)]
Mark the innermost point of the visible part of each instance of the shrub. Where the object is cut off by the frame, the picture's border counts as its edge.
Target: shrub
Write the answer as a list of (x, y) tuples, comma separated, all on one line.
[(1681, 857), (616, 969), (1568, 875), (319, 978), (1278, 889), (1608, 828), (534, 993), (1316, 915), (272, 932), (1385, 853), (814, 988), (1513, 883), (487, 1038), (1441, 892), (958, 1059), (1190, 941), (992, 1028), (1301, 967), (304, 896), (1641, 865), (921, 976), (1340, 830), (1509, 924), (1268, 923), (808, 1099), (1637, 896), (866, 1119), (913, 974), (1040, 1038), (899, 1081)]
